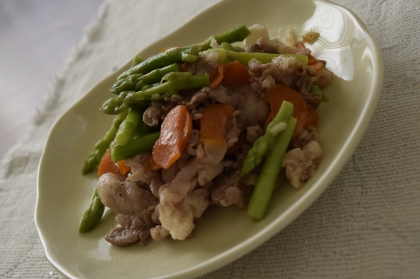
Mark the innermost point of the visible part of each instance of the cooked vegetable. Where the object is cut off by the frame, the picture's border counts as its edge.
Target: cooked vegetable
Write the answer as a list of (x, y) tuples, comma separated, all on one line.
[(268, 176), (92, 215), (235, 74), (128, 127), (106, 165), (213, 123), (226, 56), (175, 133), (103, 144), (173, 55), (123, 167), (137, 81), (263, 144), (279, 93), (171, 84), (138, 145)]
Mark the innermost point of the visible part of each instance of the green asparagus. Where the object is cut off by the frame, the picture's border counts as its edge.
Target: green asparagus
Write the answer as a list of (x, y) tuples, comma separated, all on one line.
[(174, 55), (138, 145), (138, 81), (103, 144), (156, 76), (93, 214), (137, 59), (128, 127), (268, 177), (171, 84), (264, 143), (226, 55)]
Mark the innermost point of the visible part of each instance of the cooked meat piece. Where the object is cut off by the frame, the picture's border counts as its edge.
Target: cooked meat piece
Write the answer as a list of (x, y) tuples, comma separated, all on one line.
[(220, 94), (177, 199), (324, 77), (139, 170), (233, 131), (123, 197), (178, 217), (253, 133), (130, 230), (152, 115), (253, 109), (309, 134), (158, 233), (158, 110), (225, 190), (301, 163), (199, 98)]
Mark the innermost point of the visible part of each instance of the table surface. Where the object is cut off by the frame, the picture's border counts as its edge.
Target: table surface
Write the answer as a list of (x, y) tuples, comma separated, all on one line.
[(36, 38)]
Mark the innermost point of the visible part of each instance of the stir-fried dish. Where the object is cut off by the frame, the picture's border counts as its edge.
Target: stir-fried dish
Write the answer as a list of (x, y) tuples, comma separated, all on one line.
[(209, 124)]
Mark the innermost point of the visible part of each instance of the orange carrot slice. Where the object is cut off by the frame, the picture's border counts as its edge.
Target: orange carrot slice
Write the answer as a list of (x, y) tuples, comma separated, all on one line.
[(316, 66), (106, 165), (123, 167), (279, 93), (175, 133), (235, 74), (151, 164), (214, 122), (311, 59)]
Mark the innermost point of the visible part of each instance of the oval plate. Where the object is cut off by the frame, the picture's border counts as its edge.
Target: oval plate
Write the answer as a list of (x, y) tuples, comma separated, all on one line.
[(223, 234)]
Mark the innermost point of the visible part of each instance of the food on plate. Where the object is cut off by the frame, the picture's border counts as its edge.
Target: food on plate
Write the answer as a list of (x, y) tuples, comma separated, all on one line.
[(210, 124)]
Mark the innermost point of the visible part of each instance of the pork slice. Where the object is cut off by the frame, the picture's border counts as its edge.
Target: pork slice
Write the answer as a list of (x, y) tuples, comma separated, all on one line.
[(225, 190), (139, 170), (178, 218), (253, 109), (131, 229), (301, 163), (180, 201), (123, 197)]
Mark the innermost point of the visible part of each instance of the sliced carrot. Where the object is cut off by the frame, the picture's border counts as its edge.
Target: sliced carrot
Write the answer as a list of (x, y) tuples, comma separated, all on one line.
[(279, 93), (175, 133), (311, 59), (316, 66), (218, 77), (123, 167), (214, 122), (235, 74), (312, 117), (106, 165), (151, 164)]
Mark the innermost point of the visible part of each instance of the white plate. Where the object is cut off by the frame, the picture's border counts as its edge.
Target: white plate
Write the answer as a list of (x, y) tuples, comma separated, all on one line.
[(222, 235)]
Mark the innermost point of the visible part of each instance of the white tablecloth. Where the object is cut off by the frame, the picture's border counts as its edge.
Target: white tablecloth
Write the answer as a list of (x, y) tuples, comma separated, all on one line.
[(366, 225)]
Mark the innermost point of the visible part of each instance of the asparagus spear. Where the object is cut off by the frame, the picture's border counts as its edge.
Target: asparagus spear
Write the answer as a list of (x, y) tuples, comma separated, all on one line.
[(226, 55), (171, 84), (137, 81), (127, 128), (264, 143), (102, 145), (269, 173), (138, 145), (174, 55), (93, 214)]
